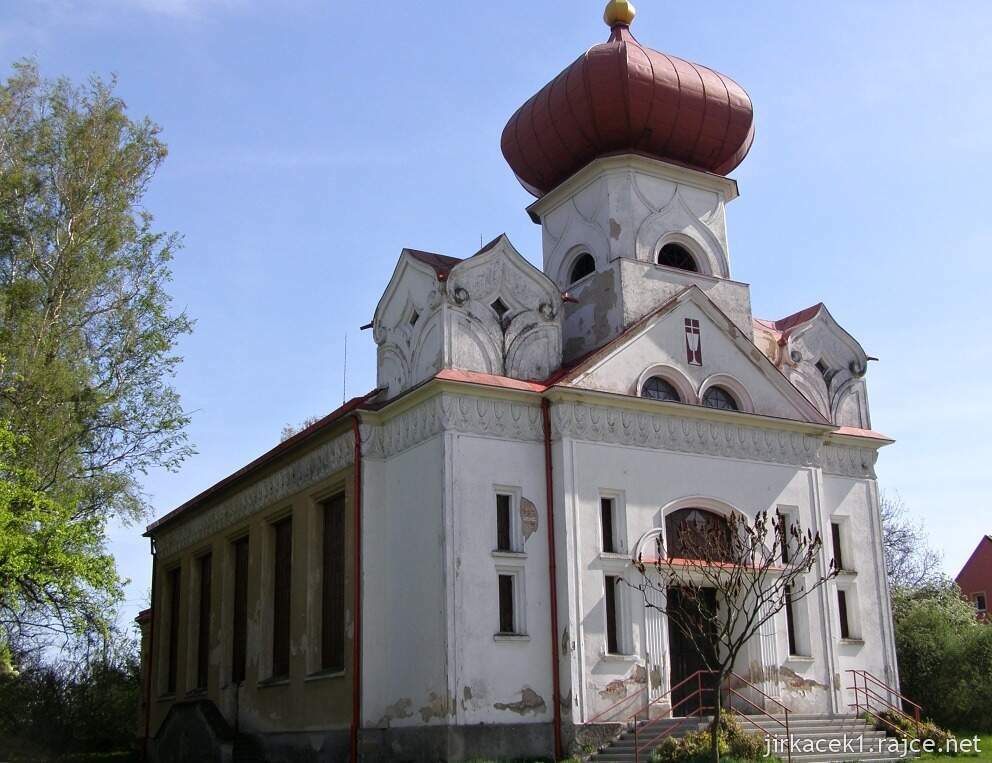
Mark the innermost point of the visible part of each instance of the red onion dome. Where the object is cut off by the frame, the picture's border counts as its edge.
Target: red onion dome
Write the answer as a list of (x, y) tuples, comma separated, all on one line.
[(620, 97)]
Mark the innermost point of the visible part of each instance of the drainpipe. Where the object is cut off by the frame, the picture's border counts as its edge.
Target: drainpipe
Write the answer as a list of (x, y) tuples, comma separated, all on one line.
[(356, 654), (151, 655), (552, 575)]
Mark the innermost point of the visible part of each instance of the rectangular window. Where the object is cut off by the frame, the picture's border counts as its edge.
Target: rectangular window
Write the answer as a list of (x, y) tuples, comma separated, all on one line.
[(281, 585), (606, 517), (332, 593), (239, 626), (172, 665), (503, 535), (790, 621), (506, 619), (845, 628), (612, 626), (203, 623), (783, 534), (838, 556), (981, 602)]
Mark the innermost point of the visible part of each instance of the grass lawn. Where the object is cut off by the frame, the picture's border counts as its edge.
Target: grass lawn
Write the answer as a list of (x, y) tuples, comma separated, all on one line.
[(984, 745)]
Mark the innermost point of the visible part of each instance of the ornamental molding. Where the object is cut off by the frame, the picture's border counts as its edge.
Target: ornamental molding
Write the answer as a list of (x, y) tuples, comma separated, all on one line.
[(317, 465), (684, 435), (849, 461), (492, 417)]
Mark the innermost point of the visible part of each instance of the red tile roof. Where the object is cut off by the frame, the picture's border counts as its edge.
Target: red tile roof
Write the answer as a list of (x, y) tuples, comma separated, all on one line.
[(441, 263)]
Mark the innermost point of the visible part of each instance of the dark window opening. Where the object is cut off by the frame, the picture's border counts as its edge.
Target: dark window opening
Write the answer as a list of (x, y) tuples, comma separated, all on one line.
[(506, 624), (172, 665), (657, 388), (677, 256), (584, 265), (790, 621), (823, 368), (203, 624), (838, 556), (503, 523), (981, 603), (783, 537), (500, 308), (414, 318), (612, 631), (332, 592), (606, 518), (281, 585), (718, 397), (845, 628), (239, 630)]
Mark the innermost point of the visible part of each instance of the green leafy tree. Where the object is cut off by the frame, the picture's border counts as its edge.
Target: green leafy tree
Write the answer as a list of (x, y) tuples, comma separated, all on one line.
[(88, 342), (945, 655)]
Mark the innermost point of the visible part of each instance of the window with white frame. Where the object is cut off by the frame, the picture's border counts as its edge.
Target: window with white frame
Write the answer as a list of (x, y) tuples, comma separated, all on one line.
[(616, 614), (510, 604), (839, 544), (848, 613), (506, 520), (981, 602), (612, 524)]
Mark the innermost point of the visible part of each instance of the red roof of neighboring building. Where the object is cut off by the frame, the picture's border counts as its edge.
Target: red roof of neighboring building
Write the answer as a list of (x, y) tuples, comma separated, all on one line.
[(622, 97)]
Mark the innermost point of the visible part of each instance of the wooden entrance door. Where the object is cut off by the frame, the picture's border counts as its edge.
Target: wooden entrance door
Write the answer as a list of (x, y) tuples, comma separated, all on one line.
[(684, 652)]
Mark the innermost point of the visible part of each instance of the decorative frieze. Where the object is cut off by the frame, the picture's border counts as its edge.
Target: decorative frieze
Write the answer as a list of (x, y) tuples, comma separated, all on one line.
[(317, 465), (684, 434), (460, 413), (849, 461), (520, 421)]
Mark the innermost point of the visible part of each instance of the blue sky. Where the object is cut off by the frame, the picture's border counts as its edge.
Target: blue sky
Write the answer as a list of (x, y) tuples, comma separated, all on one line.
[(311, 140)]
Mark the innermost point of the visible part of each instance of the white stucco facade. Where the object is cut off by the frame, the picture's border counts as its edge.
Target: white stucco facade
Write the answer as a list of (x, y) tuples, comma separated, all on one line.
[(799, 442)]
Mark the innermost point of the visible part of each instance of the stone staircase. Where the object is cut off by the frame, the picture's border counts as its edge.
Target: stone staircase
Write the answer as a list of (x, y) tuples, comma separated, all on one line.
[(816, 738)]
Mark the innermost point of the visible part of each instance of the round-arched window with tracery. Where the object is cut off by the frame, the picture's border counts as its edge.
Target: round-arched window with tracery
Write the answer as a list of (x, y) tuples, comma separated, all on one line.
[(698, 534), (718, 397), (677, 256), (658, 388)]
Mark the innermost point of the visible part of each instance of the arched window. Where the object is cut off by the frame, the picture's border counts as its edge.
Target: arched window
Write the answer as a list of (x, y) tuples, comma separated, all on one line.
[(657, 388), (583, 266), (718, 397), (677, 256), (698, 534)]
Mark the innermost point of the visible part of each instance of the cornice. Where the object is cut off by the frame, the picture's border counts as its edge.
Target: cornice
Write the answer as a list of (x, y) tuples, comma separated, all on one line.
[(625, 162), (319, 464)]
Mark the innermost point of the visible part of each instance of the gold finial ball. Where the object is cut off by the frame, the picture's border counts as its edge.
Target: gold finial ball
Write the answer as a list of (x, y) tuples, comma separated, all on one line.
[(619, 12)]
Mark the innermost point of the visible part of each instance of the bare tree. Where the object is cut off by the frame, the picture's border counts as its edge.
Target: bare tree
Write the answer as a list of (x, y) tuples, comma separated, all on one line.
[(722, 580), (910, 561)]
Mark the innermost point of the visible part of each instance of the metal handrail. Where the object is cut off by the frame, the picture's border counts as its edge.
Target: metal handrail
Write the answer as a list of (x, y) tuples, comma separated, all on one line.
[(866, 676), (871, 694), (699, 692)]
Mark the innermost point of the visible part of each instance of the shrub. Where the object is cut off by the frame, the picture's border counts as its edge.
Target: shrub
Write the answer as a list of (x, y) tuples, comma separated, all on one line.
[(735, 745)]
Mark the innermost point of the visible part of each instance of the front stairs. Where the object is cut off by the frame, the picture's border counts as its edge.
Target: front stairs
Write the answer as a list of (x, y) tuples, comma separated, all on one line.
[(815, 738)]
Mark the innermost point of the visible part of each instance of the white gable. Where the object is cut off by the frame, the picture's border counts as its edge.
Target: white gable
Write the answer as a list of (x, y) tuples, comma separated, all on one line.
[(658, 346), (493, 313)]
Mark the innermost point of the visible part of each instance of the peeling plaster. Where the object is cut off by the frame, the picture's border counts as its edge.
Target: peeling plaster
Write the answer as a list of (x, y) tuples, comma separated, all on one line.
[(402, 708), (615, 688), (438, 707), (565, 643), (615, 229), (530, 702), (796, 682)]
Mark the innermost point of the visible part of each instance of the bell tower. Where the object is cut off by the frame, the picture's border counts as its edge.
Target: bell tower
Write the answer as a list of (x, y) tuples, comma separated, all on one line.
[(627, 151)]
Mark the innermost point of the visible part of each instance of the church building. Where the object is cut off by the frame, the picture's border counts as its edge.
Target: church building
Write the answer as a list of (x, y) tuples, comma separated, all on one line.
[(429, 572)]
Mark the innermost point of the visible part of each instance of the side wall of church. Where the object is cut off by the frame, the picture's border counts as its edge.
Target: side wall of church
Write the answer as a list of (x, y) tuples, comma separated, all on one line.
[(309, 698)]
